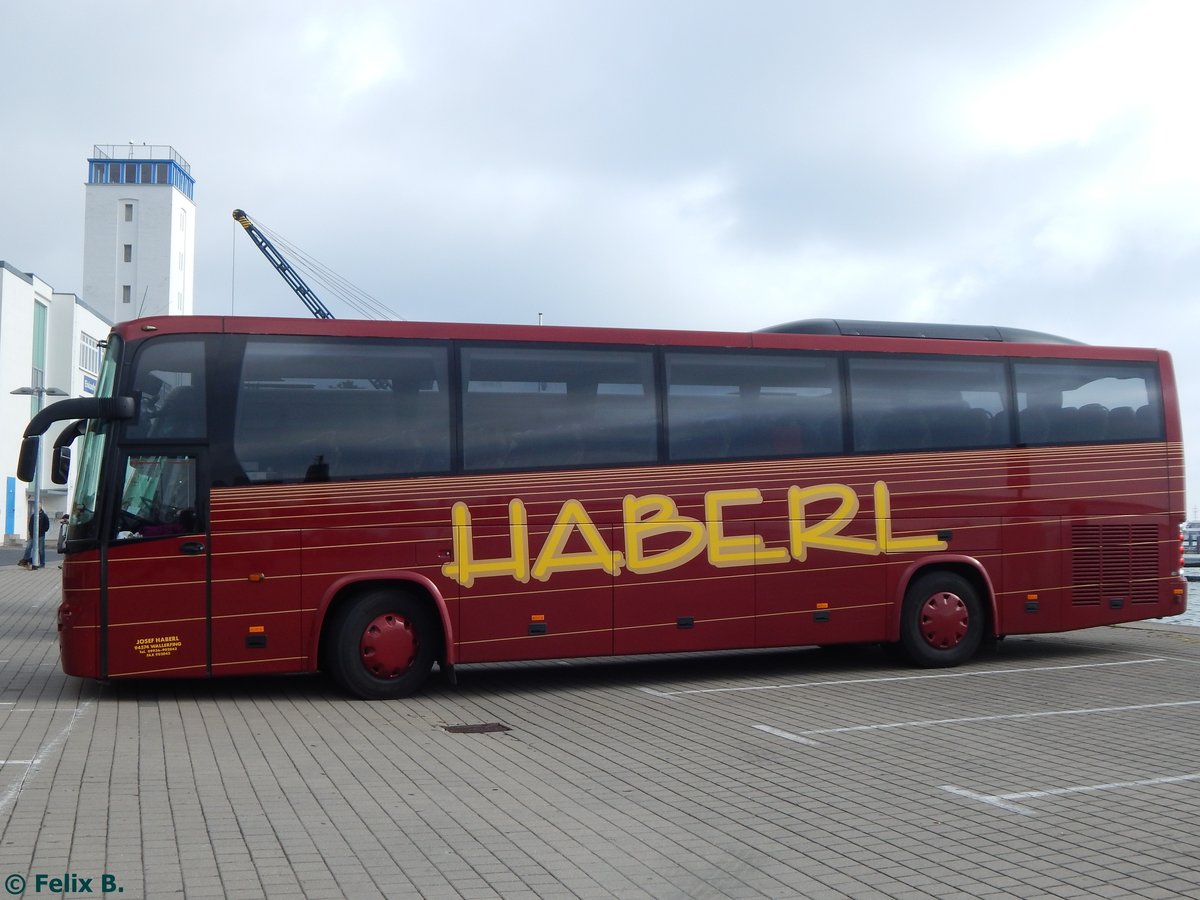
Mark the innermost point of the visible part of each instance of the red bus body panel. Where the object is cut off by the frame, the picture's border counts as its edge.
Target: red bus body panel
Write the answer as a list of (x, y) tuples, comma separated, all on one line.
[(79, 615)]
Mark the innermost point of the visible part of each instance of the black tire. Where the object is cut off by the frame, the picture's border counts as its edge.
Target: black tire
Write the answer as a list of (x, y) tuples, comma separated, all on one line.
[(381, 645), (942, 621)]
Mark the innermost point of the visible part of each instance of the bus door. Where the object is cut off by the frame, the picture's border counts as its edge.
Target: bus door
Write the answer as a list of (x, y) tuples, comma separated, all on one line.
[(156, 586), (256, 616)]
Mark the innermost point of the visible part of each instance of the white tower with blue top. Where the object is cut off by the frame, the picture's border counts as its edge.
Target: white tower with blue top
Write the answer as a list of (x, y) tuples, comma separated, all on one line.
[(139, 232)]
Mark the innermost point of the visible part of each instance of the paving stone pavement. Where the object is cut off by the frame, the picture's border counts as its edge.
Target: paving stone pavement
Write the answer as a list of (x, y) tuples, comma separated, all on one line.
[(1057, 766)]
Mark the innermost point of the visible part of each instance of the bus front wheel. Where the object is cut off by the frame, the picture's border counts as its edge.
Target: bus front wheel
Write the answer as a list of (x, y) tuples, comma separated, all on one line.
[(381, 645), (942, 621)]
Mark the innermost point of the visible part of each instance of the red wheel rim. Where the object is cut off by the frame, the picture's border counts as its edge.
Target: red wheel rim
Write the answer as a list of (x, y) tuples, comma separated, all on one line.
[(388, 646), (944, 620)]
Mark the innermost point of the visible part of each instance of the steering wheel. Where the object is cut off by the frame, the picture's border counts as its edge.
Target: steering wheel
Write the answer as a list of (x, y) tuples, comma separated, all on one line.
[(127, 521)]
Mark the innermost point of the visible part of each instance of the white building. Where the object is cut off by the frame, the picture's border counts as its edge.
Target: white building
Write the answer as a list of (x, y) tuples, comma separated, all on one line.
[(139, 232), (138, 258), (48, 339)]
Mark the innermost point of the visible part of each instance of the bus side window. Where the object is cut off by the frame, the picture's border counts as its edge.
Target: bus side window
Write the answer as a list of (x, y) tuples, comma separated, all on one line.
[(181, 413), (940, 403), (338, 409), (159, 498), (733, 405), (1087, 402), (545, 407), (169, 384)]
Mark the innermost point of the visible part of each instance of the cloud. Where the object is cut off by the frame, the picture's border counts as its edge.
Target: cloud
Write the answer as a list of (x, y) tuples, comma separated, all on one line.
[(353, 56)]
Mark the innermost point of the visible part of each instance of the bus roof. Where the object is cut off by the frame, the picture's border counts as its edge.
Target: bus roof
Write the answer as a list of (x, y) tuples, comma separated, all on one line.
[(811, 334), (862, 328)]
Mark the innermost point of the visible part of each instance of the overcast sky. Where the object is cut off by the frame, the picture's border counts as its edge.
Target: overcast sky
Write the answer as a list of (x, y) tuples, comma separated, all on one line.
[(724, 165)]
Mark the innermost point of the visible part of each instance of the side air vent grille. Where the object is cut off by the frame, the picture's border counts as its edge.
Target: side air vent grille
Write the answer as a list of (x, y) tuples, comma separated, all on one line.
[(1113, 562)]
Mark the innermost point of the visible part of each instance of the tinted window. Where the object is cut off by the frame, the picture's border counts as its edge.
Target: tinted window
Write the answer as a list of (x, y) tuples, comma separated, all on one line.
[(1065, 402), (907, 403), (169, 386), (315, 410), (729, 405), (534, 407)]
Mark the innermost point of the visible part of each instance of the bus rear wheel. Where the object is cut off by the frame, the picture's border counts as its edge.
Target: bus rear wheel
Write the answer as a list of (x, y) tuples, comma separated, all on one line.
[(381, 645), (942, 621)]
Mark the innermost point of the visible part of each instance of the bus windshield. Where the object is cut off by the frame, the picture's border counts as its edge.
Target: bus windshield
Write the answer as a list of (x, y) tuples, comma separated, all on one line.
[(91, 454)]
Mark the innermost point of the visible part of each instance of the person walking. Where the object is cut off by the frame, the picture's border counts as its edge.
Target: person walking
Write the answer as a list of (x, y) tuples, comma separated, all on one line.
[(42, 526)]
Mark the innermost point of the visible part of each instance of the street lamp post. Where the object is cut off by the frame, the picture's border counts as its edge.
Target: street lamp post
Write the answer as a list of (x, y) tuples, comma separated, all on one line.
[(35, 545)]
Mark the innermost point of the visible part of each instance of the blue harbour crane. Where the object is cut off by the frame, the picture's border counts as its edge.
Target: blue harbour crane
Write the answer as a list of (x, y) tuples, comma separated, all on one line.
[(359, 300)]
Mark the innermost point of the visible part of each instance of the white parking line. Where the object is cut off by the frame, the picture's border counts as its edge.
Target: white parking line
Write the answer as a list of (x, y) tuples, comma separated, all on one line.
[(49, 709), (786, 735), (975, 673), (1183, 659), (1004, 801), (9, 797), (16, 762), (927, 723)]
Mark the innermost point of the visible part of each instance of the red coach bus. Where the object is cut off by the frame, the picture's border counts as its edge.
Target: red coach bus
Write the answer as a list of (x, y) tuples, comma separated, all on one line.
[(367, 499)]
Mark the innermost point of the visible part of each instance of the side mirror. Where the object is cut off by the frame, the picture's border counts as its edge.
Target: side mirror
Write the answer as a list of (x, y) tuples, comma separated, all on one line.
[(60, 467), (27, 461)]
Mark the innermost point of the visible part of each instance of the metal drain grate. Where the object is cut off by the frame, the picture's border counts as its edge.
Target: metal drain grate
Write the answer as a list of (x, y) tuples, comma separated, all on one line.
[(484, 728)]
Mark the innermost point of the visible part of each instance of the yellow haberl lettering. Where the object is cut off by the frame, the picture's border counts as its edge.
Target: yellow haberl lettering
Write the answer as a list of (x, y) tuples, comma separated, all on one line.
[(883, 528), (464, 568), (825, 533), (553, 556), (652, 515), (741, 550), (655, 515)]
